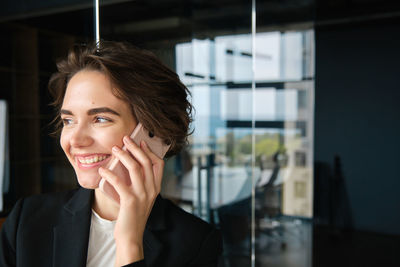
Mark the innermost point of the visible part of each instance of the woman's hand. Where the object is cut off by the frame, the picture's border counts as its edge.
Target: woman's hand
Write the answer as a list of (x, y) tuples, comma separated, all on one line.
[(136, 200)]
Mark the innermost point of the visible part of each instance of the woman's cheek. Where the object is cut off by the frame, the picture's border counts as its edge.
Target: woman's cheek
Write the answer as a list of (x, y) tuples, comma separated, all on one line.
[(111, 138), (63, 141)]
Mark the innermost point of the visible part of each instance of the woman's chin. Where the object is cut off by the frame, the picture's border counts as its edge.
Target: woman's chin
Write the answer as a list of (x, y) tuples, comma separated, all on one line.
[(89, 182)]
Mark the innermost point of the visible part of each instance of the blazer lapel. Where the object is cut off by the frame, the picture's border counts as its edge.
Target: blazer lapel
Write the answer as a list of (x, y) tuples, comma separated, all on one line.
[(72, 236), (156, 222), (152, 248)]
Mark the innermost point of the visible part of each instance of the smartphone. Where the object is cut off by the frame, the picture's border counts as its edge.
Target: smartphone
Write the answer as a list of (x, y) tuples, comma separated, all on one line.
[(156, 145)]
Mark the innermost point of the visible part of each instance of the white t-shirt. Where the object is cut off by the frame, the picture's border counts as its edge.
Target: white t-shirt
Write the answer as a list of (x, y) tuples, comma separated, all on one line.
[(101, 251)]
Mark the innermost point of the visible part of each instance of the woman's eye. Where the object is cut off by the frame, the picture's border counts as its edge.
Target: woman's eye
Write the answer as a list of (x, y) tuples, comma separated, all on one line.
[(66, 121), (101, 119)]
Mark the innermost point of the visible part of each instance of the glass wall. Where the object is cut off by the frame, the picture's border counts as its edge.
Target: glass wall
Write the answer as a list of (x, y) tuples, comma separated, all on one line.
[(219, 185), (284, 147), (248, 166)]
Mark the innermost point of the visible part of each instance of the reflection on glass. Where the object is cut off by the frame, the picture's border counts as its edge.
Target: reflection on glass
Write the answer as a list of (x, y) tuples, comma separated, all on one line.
[(222, 128), (218, 186), (279, 57)]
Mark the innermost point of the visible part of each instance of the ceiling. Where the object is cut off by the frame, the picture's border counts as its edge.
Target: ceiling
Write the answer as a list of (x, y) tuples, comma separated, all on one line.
[(155, 20)]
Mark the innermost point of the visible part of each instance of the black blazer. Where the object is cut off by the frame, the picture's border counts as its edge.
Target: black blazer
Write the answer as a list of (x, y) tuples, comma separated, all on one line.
[(53, 230)]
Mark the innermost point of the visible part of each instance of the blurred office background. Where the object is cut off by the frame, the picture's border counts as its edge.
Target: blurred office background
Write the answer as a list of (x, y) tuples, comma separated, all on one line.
[(295, 162)]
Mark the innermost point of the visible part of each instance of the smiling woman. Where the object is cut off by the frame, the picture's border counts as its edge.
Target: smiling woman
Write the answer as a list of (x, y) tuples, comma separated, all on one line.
[(101, 95), (94, 121)]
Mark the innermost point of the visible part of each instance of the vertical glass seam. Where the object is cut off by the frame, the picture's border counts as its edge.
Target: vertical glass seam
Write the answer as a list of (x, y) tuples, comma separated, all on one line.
[(253, 122), (97, 23)]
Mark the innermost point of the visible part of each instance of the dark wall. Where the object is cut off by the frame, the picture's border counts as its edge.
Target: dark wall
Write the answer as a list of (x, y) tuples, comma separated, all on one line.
[(357, 118)]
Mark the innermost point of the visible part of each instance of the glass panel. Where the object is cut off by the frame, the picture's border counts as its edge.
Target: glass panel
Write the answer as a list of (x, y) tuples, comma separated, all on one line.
[(212, 178), (215, 70), (284, 147)]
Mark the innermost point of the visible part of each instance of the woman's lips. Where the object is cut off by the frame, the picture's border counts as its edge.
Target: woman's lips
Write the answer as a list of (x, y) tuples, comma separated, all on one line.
[(92, 162)]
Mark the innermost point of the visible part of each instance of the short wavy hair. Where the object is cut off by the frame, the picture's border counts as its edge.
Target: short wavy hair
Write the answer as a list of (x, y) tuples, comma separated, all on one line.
[(158, 99)]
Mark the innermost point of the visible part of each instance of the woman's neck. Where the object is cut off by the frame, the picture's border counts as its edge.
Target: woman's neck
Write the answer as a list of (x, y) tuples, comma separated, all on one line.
[(104, 206)]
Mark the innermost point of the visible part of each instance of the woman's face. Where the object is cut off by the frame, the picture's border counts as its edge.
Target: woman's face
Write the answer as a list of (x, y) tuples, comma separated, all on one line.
[(94, 121)]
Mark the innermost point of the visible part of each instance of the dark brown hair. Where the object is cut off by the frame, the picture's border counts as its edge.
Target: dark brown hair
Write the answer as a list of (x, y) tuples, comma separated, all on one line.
[(156, 95)]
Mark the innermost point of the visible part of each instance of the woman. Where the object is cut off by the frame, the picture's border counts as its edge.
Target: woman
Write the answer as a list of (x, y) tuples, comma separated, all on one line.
[(101, 94)]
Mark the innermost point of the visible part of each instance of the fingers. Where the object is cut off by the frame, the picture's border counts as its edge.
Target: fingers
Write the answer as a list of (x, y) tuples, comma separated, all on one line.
[(144, 167), (141, 157), (118, 185), (109, 190), (133, 167), (153, 157)]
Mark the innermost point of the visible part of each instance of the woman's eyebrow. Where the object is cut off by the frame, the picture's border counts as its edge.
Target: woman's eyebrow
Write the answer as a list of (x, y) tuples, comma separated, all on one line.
[(66, 112), (92, 111)]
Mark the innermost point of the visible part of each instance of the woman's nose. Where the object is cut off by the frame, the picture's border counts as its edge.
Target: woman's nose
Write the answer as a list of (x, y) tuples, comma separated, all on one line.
[(81, 137)]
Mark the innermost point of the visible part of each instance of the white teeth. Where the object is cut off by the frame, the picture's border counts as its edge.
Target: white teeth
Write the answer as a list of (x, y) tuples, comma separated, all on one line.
[(94, 159)]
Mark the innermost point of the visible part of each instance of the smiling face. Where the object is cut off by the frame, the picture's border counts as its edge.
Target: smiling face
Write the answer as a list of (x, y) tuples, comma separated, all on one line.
[(94, 121)]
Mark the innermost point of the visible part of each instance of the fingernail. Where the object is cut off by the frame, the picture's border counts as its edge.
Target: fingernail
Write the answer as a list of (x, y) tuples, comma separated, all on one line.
[(126, 139), (115, 149), (143, 144)]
